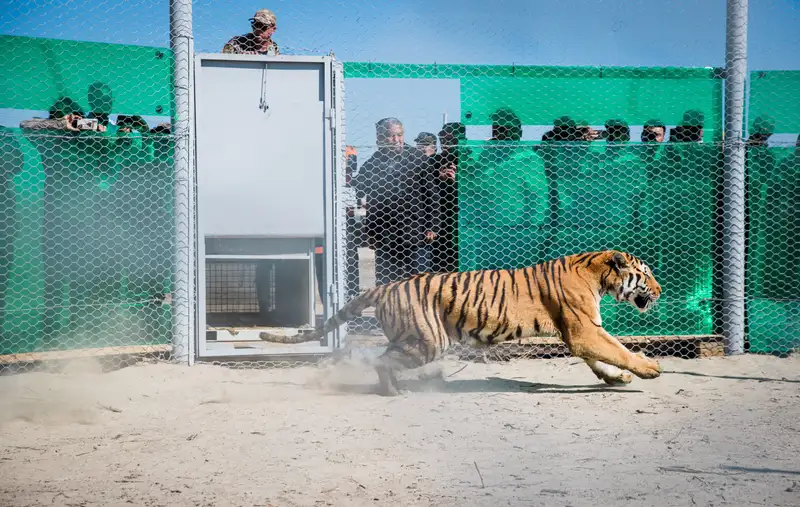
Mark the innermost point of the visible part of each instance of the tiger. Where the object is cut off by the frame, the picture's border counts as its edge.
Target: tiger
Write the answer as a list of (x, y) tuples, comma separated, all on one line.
[(422, 315)]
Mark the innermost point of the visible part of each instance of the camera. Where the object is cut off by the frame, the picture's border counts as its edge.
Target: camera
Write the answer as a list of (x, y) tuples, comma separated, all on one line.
[(85, 123)]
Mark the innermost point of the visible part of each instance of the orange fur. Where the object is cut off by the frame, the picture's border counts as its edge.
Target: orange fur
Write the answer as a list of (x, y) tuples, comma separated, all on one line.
[(424, 314)]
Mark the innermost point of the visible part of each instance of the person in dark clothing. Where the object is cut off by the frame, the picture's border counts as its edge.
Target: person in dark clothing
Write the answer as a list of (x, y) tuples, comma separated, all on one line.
[(763, 128), (564, 129), (426, 143), (445, 165), (617, 131), (397, 185), (12, 160), (690, 129), (653, 131), (353, 223)]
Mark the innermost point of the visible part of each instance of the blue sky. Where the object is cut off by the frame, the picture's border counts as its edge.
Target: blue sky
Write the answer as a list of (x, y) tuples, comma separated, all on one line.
[(532, 32)]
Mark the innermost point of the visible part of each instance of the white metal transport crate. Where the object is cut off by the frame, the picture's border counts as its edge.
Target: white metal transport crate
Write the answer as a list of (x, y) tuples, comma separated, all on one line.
[(269, 145)]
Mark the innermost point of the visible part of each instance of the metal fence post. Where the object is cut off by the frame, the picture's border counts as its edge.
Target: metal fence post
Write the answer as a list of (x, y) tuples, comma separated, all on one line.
[(733, 262), (181, 43)]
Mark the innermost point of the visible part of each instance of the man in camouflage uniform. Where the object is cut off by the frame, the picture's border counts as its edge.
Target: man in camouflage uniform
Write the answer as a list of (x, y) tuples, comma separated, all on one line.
[(259, 40)]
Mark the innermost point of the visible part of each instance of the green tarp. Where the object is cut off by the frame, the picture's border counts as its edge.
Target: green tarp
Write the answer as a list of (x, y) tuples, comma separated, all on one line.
[(540, 94), (773, 244), (35, 72), (87, 239), (776, 93), (658, 205)]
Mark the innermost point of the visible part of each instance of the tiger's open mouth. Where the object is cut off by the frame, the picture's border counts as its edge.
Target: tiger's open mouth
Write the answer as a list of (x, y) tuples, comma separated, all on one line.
[(642, 301)]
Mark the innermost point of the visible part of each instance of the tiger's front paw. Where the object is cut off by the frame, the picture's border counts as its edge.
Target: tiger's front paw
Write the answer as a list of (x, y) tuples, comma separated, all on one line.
[(646, 368)]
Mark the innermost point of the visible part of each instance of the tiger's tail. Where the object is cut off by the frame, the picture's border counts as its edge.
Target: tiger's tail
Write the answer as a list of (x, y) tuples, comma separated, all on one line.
[(349, 311)]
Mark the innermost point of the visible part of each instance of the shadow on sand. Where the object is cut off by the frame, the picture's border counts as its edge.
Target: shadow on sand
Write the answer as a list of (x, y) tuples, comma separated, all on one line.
[(484, 385)]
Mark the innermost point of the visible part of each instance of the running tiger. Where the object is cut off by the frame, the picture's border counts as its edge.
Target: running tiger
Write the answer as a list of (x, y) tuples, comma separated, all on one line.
[(422, 315)]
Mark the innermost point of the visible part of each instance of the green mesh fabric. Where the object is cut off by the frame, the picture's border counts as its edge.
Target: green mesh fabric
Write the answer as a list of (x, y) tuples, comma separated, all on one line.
[(539, 95), (44, 70), (773, 223), (776, 94), (88, 239), (656, 202)]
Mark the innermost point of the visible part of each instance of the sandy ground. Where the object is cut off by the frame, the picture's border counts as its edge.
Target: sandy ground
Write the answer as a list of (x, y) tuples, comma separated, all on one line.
[(717, 431)]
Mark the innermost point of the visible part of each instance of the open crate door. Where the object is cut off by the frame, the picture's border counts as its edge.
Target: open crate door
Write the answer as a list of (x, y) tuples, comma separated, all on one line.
[(265, 192)]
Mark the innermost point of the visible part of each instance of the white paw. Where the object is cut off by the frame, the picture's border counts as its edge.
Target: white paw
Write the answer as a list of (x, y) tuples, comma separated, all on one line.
[(623, 378)]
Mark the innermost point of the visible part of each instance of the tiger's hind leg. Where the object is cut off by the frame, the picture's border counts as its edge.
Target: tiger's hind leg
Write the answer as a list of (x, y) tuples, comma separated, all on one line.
[(396, 358), (609, 374), (409, 353)]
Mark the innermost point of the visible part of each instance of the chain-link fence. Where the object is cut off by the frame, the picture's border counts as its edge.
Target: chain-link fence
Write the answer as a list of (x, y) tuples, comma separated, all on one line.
[(95, 240), (449, 166)]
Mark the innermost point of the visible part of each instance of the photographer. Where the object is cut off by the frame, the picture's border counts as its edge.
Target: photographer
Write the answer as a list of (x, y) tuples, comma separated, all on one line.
[(64, 114), (445, 167)]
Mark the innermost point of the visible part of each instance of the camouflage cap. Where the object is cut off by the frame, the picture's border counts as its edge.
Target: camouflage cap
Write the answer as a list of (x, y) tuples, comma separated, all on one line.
[(764, 125), (505, 117), (265, 16), (693, 118), (425, 138)]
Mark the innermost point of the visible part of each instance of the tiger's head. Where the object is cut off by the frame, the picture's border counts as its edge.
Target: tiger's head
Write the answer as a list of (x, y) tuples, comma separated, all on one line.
[(629, 279)]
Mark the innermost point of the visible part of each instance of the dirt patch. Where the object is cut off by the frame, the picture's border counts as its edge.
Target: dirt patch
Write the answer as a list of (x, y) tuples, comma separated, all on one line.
[(719, 431)]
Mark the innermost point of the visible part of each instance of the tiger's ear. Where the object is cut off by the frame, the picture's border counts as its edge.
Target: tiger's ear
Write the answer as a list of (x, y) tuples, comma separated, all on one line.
[(618, 261)]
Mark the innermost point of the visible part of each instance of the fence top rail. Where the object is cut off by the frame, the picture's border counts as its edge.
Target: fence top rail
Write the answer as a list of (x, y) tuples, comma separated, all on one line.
[(455, 71)]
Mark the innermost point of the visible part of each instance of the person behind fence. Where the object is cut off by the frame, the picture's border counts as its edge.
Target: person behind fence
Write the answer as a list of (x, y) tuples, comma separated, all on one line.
[(585, 132), (506, 134), (353, 223), (64, 114), (651, 150), (690, 130), (565, 129), (762, 130), (773, 219), (79, 212), (426, 143), (397, 187), (12, 160), (617, 133), (686, 214), (259, 40), (101, 100), (503, 202), (446, 164), (561, 155), (653, 131), (67, 114), (762, 214), (624, 177)]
